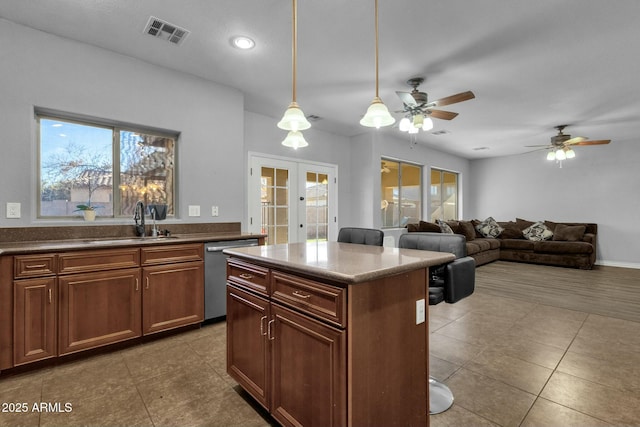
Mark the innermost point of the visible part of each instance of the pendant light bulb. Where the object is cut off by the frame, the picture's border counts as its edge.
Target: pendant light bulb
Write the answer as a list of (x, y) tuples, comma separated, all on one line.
[(570, 153), (560, 155), (427, 124), (551, 155), (377, 114), (404, 124)]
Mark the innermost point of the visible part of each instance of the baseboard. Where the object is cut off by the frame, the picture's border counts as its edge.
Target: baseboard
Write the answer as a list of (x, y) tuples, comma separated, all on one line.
[(618, 264)]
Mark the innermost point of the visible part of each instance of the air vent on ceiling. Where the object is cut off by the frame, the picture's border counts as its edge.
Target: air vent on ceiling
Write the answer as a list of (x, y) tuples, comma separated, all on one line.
[(313, 118), (165, 31), (440, 132)]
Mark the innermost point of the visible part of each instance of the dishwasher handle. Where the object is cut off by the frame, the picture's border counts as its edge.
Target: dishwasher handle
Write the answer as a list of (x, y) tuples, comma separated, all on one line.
[(222, 246)]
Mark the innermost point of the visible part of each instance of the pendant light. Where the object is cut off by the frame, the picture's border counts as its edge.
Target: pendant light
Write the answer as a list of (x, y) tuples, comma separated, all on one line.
[(377, 114), (294, 120)]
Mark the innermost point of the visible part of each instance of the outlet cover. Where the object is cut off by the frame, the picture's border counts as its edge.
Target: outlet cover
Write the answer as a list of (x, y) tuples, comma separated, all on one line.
[(13, 210), (420, 311), (214, 211), (194, 210)]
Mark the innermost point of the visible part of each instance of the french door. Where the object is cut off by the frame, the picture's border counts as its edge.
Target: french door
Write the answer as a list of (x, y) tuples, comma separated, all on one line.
[(292, 201)]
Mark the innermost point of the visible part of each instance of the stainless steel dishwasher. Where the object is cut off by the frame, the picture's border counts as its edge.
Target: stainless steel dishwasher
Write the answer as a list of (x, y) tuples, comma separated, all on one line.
[(215, 275)]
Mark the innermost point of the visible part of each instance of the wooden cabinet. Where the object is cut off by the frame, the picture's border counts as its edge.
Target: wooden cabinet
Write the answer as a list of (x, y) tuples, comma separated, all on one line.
[(248, 355), (34, 319), (173, 280), (173, 296), (60, 303), (289, 358), (99, 308), (316, 352)]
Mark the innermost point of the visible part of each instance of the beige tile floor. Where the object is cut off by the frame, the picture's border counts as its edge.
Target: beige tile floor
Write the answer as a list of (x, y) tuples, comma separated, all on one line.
[(509, 363)]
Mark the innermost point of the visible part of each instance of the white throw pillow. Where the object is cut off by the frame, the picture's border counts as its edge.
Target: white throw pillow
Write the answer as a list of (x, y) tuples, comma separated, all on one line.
[(537, 232), (489, 228)]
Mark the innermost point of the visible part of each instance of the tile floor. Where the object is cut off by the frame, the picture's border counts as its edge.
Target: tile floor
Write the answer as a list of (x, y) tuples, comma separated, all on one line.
[(509, 363)]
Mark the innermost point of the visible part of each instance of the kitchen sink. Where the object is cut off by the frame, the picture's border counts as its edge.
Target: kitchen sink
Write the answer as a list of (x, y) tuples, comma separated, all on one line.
[(128, 240)]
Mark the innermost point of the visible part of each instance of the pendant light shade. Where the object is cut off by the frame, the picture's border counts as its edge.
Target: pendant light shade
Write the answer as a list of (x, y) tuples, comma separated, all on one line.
[(294, 120), (295, 140), (377, 114)]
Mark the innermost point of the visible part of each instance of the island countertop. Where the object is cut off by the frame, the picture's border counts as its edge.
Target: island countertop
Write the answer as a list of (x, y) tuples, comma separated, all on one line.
[(340, 262)]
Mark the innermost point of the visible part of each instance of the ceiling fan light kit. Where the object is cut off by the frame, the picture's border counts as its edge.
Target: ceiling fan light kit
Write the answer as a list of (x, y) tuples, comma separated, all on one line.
[(294, 119), (377, 114)]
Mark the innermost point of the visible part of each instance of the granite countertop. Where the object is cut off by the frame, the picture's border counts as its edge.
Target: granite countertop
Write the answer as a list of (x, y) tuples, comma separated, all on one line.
[(340, 262), (34, 246)]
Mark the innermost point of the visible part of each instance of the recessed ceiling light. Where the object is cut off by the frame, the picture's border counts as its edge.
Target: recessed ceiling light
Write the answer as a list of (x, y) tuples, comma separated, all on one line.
[(242, 42)]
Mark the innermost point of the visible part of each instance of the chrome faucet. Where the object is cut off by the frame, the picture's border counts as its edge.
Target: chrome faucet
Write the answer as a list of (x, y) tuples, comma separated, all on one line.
[(138, 215), (154, 230)]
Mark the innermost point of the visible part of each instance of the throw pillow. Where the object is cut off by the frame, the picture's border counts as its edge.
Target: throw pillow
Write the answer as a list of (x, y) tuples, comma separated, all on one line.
[(489, 228), (444, 227), (429, 227), (537, 232), (466, 229), (569, 233), (511, 232), (523, 223)]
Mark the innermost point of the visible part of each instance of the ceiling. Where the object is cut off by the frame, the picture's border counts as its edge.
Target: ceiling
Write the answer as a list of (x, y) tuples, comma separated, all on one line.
[(531, 64)]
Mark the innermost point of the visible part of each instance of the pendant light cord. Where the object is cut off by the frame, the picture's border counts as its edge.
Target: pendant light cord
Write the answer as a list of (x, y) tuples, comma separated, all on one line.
[(376, 13), (294, 49)]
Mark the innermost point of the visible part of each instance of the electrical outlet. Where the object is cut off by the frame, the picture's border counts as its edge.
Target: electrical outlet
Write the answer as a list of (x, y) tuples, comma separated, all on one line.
[(13, 210), (194, 210), (214, 211), (420, 311)]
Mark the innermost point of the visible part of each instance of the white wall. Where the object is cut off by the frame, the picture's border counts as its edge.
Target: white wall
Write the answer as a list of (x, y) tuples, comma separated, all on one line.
[(600, 185), (38, 69)]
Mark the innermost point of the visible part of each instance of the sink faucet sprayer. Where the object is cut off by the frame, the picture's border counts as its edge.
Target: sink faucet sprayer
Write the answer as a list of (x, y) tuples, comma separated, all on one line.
[(138, 215)]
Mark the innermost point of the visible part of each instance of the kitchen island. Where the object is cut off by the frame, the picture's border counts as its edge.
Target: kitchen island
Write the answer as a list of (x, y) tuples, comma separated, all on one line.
[(331, 334)]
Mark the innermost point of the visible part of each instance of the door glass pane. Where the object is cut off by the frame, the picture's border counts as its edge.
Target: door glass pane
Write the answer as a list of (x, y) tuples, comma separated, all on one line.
[(317, 206), (444, 195), (436, 202), (274, 190)]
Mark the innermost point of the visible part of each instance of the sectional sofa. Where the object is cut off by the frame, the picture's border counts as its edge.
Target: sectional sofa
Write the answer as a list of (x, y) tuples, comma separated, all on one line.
[(565, 244)]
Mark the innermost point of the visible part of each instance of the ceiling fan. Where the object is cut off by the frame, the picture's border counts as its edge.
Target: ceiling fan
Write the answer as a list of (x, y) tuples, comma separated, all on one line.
[(560, 147), (418, 110)]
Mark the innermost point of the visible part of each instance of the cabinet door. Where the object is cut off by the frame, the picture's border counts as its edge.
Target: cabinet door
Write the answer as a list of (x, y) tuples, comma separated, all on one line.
[(98, 309), (247, 344), (173, 296), (34, 304), (309, 371)]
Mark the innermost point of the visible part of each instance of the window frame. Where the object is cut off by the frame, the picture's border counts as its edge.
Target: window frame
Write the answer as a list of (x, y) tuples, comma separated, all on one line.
[(116, 127), (441, 193), (402, 163)]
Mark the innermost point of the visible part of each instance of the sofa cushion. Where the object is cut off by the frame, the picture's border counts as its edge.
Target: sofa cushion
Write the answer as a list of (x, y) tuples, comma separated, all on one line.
[(472, 247), (537, 232), (563, 247), (523, 223), (467, 230), (424, 226), (519, 244), (569, 233), (444, 227), (489, 228), (511, 231)]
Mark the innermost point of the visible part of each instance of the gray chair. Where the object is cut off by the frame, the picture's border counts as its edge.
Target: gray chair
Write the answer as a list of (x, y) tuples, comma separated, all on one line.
[(363, 236), (449, 282)]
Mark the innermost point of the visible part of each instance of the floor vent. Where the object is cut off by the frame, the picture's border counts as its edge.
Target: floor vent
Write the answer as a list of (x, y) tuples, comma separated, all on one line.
[(165, 31)]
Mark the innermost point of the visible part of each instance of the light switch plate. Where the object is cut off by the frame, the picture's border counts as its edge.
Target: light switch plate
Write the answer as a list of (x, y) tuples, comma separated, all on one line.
[(420, 311), (13, 210), (194, 210)]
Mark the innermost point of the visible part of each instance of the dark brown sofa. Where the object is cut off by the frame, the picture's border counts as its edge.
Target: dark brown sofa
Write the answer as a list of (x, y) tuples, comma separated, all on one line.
[(571, 244)]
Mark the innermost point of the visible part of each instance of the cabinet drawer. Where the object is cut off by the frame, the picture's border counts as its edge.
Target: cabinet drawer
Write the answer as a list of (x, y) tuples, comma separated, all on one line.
[(320, 300), (109, 259), (34, 265), (248, 276), (167, 254)]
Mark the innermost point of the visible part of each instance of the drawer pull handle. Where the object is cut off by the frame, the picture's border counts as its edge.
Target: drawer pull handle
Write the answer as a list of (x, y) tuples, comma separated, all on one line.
[(147, 287), (302, 295), (36, 266), (50, 298), (262, 331), (137, 285), (246, 276)]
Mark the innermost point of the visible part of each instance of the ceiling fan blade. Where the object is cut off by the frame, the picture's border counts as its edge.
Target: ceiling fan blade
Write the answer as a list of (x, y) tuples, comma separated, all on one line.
[(407, 99), (595, 142), (459, 97), (575, 140), (545, 145), (440, 114)]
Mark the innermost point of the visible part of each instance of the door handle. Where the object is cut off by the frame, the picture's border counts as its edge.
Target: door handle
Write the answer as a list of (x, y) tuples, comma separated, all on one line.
[(270, 336), (262, 331), (147, 287), (50, 296), (137, 284)]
